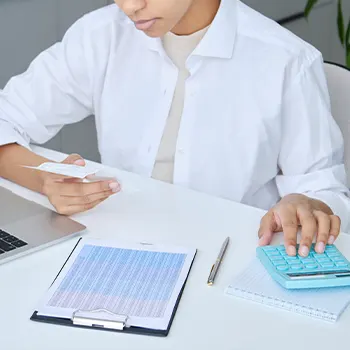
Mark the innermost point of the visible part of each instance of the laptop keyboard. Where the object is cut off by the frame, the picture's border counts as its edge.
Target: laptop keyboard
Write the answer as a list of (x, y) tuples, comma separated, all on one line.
[(9, 242)]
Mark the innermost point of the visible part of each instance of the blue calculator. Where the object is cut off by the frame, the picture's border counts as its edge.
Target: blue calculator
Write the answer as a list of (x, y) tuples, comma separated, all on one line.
[(330, 269)]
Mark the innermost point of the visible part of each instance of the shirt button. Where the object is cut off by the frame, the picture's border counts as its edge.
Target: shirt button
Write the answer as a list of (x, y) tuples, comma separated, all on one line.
[(181, 151)]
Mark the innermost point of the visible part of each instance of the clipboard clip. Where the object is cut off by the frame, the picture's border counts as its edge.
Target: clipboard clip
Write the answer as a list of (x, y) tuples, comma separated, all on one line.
[(99, 318)]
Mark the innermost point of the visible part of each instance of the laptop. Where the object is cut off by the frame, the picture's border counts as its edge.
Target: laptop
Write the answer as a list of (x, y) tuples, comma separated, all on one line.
[(26, 227)]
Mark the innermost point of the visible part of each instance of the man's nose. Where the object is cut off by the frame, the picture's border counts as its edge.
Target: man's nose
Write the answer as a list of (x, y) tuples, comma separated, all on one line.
[(130, 7)]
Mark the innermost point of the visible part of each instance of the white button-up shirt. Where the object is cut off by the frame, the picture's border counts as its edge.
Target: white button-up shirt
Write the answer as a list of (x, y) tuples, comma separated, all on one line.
[(256, 123)]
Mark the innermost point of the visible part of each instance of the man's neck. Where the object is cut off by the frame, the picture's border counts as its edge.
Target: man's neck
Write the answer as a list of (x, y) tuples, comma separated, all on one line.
[(200, 15)]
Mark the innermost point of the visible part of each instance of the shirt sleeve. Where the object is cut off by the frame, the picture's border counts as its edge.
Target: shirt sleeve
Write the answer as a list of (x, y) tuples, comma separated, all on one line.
[(54, 91), (311, 158)]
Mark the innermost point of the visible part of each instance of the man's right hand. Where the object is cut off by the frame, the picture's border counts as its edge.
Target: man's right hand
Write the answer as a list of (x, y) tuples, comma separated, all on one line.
[(70, 195)]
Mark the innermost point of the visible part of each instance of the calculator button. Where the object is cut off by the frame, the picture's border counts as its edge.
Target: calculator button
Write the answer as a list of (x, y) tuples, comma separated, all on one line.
[(324, 260), (293, 262), (337, 258), (332, 254), (282, 248), (308, 261), (327, 264), (297, 267), (320, 256), (282, 267), (269, 249), (275, 257), (279, 262), (276, 253), (291, 257), (340, 261), (304, 258), (311, 266), (341, 264)]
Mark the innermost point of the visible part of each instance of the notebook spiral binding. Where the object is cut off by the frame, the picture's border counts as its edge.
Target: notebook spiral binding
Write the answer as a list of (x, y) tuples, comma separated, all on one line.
[(301, 309)]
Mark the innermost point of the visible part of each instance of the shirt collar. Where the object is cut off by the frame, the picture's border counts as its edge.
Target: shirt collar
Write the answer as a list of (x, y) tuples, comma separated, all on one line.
[(220, 38)]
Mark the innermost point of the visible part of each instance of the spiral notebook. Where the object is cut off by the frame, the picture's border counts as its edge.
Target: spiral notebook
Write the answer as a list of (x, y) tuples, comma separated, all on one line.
[(255, 284)]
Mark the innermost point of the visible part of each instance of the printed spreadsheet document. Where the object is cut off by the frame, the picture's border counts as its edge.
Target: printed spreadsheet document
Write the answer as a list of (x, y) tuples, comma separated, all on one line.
[(142, 282)]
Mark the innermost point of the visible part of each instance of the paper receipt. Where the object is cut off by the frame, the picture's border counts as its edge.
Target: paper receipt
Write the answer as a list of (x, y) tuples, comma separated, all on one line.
[(70, 170)]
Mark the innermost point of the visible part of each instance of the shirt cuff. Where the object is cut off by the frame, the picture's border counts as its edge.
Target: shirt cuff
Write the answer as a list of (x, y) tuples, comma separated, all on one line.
[(338, 202), (8, 134)]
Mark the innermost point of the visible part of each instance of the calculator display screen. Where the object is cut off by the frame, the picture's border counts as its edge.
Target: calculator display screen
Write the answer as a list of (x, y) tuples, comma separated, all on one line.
[(319, 274)]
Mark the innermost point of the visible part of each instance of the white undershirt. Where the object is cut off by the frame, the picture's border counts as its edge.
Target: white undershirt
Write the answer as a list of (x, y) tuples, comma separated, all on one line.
[(178, 48)]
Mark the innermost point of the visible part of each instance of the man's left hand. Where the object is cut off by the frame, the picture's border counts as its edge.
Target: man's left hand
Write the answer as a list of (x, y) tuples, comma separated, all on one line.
[(294, 211)]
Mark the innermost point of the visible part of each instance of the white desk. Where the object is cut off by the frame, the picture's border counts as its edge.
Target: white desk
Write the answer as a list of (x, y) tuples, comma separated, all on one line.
[(206, 318)]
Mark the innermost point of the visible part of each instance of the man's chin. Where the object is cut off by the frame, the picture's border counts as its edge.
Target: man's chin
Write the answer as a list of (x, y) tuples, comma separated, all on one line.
[(153, 34)]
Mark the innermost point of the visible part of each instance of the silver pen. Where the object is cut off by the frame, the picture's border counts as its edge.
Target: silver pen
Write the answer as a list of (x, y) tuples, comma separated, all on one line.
[(215, 267)]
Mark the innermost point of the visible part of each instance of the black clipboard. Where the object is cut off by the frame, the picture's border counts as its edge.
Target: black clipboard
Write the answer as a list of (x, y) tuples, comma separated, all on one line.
[(133, 330)]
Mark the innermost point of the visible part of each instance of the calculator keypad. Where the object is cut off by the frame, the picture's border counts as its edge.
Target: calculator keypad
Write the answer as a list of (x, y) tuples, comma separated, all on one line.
[(330, 260)]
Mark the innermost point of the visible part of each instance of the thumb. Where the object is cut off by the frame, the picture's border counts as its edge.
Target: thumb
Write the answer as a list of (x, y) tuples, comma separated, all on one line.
[(74, 159), (267, 228)]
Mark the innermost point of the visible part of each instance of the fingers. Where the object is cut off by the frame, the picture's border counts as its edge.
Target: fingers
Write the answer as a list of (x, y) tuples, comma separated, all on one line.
[(67, 200), (328, 229), (67, 205), (70, 197), (267, 228), (335, 229), (81, 189), (324, 226), (289, 222), (74, 159), (74, 209), (312, 216), (308, 229)]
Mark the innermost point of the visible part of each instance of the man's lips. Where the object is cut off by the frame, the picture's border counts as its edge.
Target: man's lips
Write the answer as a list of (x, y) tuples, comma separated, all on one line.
[(145, 24)]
